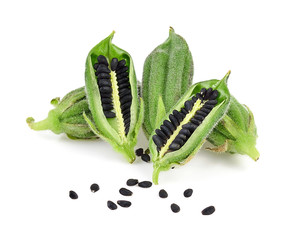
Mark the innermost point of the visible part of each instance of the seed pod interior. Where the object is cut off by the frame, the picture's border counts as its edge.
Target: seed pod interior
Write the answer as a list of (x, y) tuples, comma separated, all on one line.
[(184, 129), (111, 88)]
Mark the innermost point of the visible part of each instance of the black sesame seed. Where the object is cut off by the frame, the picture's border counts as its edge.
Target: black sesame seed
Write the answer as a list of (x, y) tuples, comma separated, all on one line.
[(158, 141), (124, 203), (214, 95), (125, 192), (182, 136), (102, 59), (210, 107), (102, 75), (139, 152), (178, 116), (203, 91), (124, 85), (106, 100), (169, 125), (107, 106), (109, 114), (121, 63), (147, 151), (95, 187), (73, 195), (194, 121), (131, 181), (122, 70), (126, 99), (174, 120), (106, 90), (145, 157), (103, 69), (161, 134), (104, 83), (208, 211), (122, 75), (206, 110), (185, 132), (212, 102), (163, 193), (111, 205), (145, 184), (208, 93), (166, 130), (174, 146), (198, 117), (125, 106), (175, 208), (184, 111), (178, 141), (188, 192), (202, 113), (188, 105), (114, 64), (198, 95)]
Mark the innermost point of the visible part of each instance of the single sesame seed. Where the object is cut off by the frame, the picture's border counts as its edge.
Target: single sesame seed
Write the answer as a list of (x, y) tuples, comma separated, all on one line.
[(111, 205), (208, 211), (131, 182), (139, 152), (95, 187), (188, 192), (145, 184), (73, 195), (163, 193), (124, 203), (145, 157), (125, 192), (175, 208)]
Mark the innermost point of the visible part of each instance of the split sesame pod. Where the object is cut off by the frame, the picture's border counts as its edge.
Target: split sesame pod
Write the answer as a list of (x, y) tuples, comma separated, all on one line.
[(236, 132), (67, 116), (167, 74), (184, 129), (112, 94)]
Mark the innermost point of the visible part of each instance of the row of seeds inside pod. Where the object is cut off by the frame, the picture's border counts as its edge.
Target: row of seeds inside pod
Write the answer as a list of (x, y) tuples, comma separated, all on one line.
[(207, 97), (103, 74)]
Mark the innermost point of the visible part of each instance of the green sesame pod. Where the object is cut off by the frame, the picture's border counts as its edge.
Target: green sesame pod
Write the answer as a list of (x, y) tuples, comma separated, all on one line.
[(117, 126), (236, 132), (67, 116), (167, 74), (192, 118)]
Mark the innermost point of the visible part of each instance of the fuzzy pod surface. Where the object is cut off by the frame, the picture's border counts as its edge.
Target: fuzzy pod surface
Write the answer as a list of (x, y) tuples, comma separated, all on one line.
[(67, 116), (183, 130), (112, 94), (167, 74), (236, 132)]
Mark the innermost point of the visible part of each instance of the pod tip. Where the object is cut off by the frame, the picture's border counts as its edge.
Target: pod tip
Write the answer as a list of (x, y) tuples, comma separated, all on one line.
[(30, 120), (171, 29)]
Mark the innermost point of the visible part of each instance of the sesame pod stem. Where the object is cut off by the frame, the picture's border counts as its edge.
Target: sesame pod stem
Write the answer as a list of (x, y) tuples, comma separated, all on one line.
[(164, 157), (113, 128), (66, 117)]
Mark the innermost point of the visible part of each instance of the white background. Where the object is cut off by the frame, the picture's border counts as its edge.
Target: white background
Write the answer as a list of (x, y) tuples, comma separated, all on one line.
[(43, 49)]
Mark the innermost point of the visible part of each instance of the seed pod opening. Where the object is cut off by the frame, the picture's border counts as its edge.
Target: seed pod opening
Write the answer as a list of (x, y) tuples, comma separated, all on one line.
[(111, 89), (196, 114)]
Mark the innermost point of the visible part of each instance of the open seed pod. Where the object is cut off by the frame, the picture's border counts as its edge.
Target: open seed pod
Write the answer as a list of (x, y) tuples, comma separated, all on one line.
[(112, 95), (184, 129), (67, 116)]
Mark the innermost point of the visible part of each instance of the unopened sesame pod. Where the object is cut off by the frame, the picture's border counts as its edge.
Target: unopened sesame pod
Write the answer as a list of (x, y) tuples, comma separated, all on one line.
[(236, 132), (67, 116), (167, 74), (185, 127), (111, 89)]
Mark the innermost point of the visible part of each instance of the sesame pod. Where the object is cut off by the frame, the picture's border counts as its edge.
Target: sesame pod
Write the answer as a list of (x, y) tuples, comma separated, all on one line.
[(67, 116), (167, 74), (111, 89), (236, 132), (183, 130)]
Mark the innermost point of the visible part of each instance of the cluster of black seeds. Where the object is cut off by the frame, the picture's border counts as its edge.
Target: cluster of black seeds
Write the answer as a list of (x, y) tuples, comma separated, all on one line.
[(206, 96), (143, 184), (144, 155), (105, 87)]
